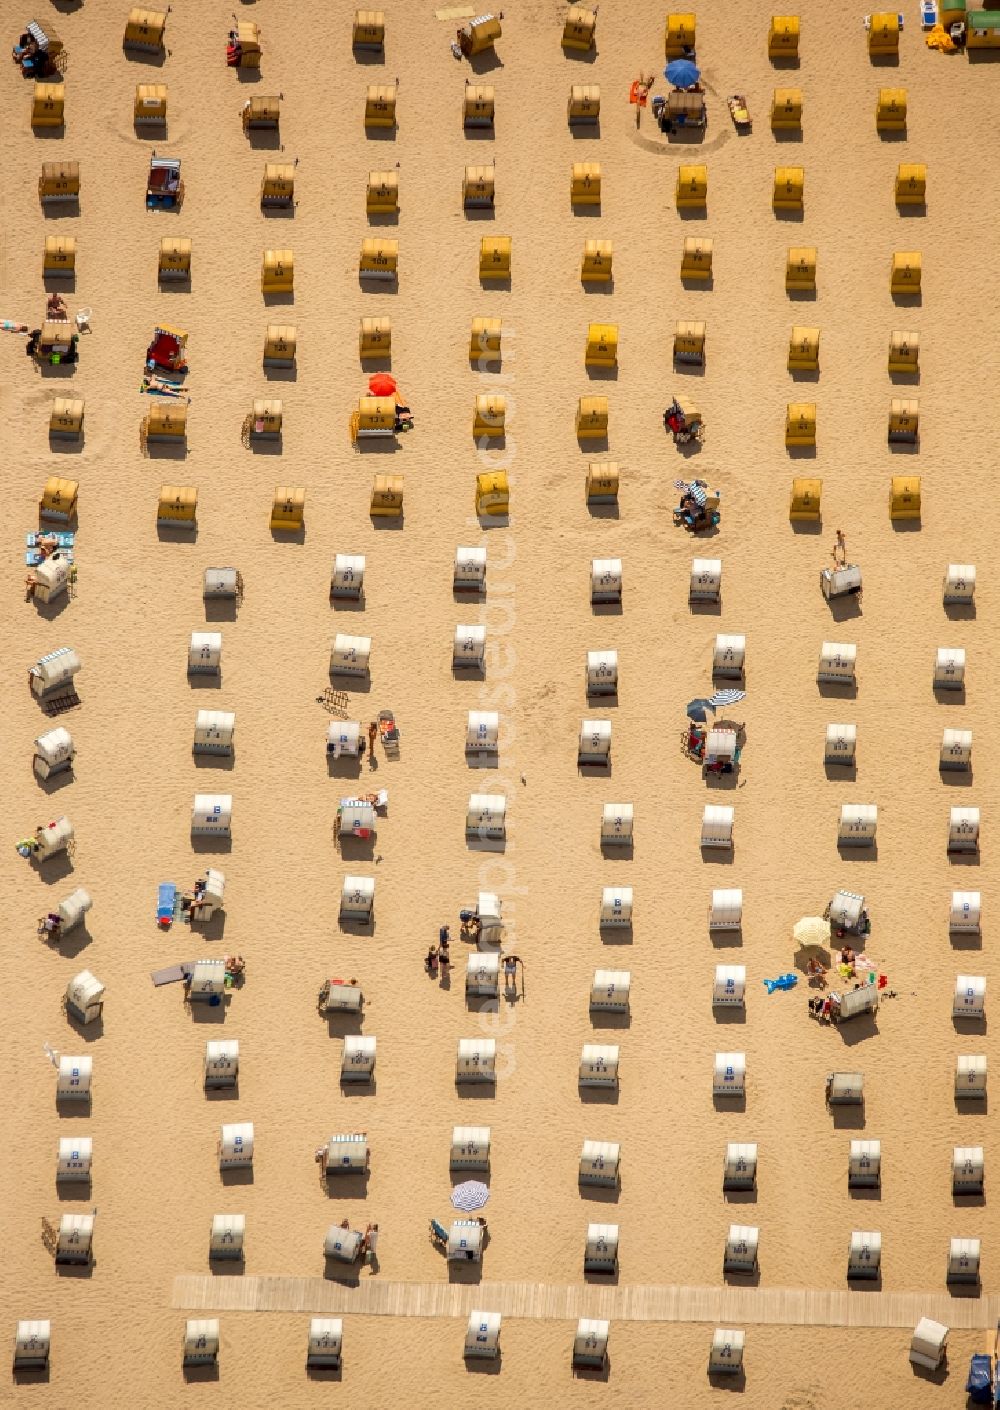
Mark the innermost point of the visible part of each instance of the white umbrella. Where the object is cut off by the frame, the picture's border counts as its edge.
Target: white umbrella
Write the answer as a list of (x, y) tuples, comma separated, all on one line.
[(470, 1195)]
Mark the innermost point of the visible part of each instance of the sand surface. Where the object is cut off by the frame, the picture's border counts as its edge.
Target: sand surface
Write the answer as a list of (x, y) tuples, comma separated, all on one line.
[(156, 1182)]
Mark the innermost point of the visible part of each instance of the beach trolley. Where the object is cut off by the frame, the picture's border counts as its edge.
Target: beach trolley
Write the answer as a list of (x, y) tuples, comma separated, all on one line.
[(75, 1078), (600, 1164), (689, 343), (783, 37), (600, 1252), (357, 899), (482, 731), (476, 1060), (479, 187), (929, 1344), (599, 1065), (386, 500), (482, 1335), (601, 348), (205, 654), (970, 1077), (789, 188), (740, 1255), (279, 345), (380, 105), (59, 182), (469, 571), (32, 1343), (616, 908), (59, 498), (288, 508), (786, 112), (858, 825), (468, 651), (222, 1063), (592, 419), (904, 352), (696, 264), (969, 999), (470, 1148), (729, 657), (960, 584), (374, 338), (150, 106), (484, 342), (165, 424), (494, 257), (740, 1169), (726, 1355), (212, 815), (277, 187), (864, 1255), (845, 1088), (705, 582), (262, 113), (800, 269), (956, 749), (465, 1241), (479, 35), (479, 105), (605, 581), (277, 272), (174, 260), (382, 193), (617, 825), (841, 745), (806, 501), (949, 668), (717, 828), (864, 1165), (492, 494), (963, 830), (48, 106), (729, 987), (837, 663), (967, 1170), (144, 30), (594, 747), (235, 1147), (890, 110), (225, 1242), (580, 29), (369, 30), (84, 999), (691, 192), (52, 675), (482, 974), (596, 266), (904, 421), (590, 1344), (486, 816), (201, 1341), (72, 909), (347, 580), (59, 257), (963, 1261), (57, 837), (679, 37), (74, 1160), (609, 991), (585, 184), (725, 910), (883, 35), (346, 1154), (342, 739), (905, 272), (803, 350), (729, 1075), (350, 656), (800, 424), (342, 1245), (911, 184), (207, 982), (337, 997), (326, 1334), (489, 417), (584, 104), (75, 1240)]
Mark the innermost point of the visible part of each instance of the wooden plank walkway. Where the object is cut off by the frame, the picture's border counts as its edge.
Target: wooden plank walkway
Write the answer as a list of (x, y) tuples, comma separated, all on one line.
[(722, 1306)]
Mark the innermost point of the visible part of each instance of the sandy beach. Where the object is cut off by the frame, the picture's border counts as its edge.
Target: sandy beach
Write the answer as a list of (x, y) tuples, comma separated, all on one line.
[(156, 1182)]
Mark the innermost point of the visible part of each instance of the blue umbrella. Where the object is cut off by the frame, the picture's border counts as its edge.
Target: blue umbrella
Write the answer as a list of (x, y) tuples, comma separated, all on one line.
[(682, 73), (696, 709)]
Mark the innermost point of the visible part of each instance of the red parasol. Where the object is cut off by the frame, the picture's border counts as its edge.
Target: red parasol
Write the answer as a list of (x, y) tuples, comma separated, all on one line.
[(382, 385)]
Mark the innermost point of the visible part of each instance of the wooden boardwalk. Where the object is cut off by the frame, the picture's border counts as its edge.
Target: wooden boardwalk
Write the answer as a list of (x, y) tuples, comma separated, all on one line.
[(722, 1306)]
